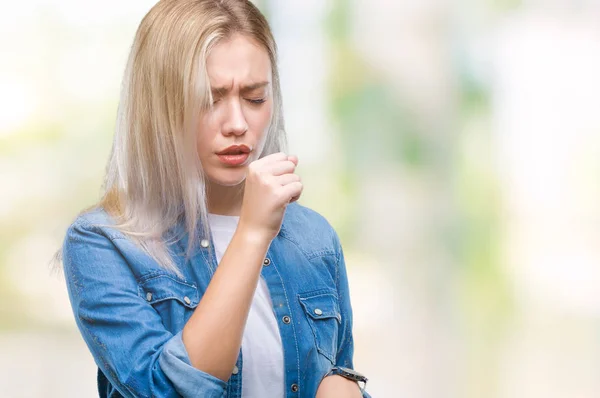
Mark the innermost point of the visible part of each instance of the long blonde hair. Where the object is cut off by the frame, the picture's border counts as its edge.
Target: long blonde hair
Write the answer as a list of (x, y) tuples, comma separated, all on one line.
[(154, 179)]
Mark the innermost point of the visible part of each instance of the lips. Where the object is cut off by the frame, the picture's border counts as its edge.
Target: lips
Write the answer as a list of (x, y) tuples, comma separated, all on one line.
[(235, 150), (234, 155)]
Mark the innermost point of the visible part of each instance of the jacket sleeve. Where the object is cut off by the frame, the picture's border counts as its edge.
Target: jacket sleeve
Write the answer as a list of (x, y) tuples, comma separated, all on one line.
[(125, 334), (345, 352)]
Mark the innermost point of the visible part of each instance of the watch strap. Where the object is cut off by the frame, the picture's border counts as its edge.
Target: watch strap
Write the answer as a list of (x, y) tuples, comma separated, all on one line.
[(349, 374)]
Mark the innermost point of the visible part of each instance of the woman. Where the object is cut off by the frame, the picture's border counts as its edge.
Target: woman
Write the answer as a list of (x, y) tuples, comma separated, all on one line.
[(198, 178)]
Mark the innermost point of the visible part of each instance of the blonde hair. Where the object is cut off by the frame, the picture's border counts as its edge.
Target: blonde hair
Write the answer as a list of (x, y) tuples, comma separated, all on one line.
[(154, 179)]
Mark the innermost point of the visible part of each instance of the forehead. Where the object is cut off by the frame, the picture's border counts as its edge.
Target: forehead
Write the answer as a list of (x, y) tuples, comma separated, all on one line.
[(236, 61)]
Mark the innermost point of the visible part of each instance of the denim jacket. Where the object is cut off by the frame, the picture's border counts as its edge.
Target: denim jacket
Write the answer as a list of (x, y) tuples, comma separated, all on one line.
[(131, 312)]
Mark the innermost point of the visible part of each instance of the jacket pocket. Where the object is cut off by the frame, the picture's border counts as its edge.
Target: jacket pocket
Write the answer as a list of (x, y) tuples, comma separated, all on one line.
[(323, 314), (174, 299)]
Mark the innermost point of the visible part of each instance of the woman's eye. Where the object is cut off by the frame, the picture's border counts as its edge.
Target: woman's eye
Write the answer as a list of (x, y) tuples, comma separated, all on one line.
[(257, 101)]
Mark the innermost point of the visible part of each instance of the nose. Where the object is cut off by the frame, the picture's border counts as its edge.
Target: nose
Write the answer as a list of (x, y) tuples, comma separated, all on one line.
[(235, 121)]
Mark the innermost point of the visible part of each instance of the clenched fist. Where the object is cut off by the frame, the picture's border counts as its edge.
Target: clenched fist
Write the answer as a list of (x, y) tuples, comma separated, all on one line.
[(270, 186)]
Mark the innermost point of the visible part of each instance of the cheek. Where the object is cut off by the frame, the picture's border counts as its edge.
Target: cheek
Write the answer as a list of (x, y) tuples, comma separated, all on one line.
[(260, 119), (205, 133)]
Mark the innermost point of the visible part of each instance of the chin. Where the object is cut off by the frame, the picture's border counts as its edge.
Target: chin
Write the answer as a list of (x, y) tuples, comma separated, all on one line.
[(228, 177)]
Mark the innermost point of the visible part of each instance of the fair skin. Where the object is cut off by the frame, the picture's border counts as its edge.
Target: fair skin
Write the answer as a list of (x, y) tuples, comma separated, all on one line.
[(258, 191)]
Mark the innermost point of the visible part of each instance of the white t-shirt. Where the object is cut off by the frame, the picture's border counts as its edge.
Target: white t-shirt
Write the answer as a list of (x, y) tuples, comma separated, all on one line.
[(262, 351)]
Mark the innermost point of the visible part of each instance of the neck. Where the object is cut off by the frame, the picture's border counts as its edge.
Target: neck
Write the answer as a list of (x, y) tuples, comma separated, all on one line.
[(224, 200)]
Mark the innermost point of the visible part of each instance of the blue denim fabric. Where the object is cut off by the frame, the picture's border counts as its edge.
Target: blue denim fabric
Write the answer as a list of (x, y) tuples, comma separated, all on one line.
[(131, 312)]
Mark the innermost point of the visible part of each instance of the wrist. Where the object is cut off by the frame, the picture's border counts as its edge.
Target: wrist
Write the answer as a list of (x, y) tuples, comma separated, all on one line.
[(253, 236), (338, 386)]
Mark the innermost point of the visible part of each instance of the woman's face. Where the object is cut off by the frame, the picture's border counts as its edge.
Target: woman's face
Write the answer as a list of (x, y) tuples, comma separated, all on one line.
[(239, 70)]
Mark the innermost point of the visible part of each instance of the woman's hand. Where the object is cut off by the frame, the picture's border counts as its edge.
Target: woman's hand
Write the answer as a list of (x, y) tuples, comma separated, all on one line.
[(270, 186), (338, 387)]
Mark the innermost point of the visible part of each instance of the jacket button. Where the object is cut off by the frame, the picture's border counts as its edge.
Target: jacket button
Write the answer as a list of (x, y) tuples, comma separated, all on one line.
[(235, 370), (295, 388), (287, 320), (149, 296), (204, 243), (187, 300), (318, 311), (266, 262)]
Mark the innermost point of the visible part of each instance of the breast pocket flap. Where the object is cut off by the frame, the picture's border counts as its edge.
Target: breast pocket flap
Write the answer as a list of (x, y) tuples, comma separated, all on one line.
[(321, 306), (158, 288)]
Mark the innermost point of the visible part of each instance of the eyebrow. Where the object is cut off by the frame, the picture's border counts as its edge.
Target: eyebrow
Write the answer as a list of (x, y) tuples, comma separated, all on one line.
[(244, 89)]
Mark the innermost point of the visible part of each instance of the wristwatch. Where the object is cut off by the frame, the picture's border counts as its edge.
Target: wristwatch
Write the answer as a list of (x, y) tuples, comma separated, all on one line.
[(349, 374)]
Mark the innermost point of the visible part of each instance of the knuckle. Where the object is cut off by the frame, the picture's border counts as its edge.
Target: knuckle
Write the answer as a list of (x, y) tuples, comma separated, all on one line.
[(253, 167), (280, 195), (265, 180)]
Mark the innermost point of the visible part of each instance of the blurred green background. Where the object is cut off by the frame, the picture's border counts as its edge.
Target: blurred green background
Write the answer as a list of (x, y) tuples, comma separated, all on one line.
[(455, 147)]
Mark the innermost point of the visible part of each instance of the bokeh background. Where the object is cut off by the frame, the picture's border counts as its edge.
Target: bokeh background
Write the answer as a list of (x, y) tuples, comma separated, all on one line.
[(455, 146)]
